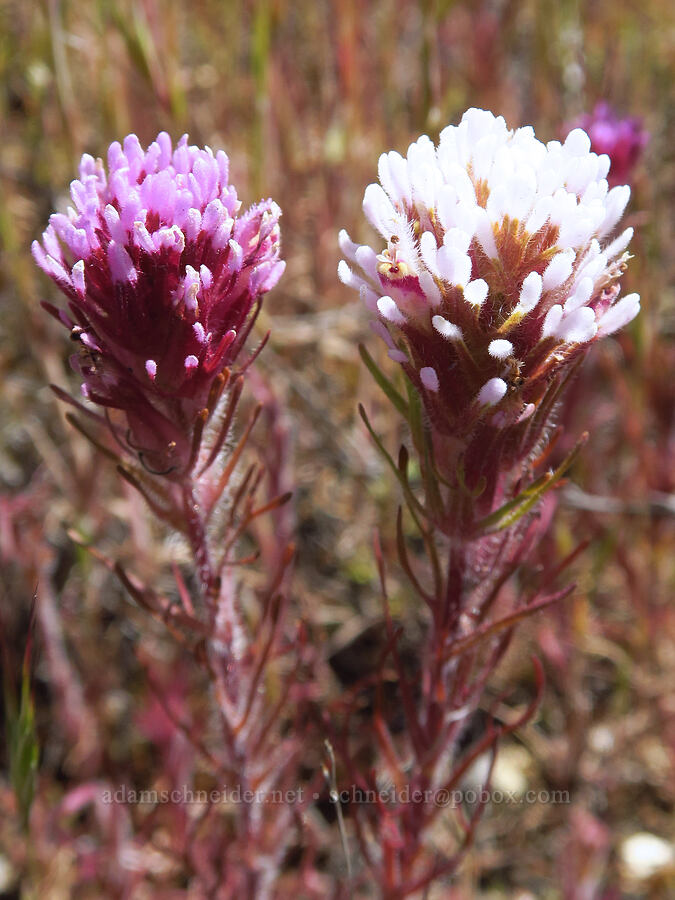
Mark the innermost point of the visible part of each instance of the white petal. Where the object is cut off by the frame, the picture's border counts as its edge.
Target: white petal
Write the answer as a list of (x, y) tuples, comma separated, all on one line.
[(447, 329), (539, 215), (619, 244), (617, 201), (379, 210), (582, 294), (578, 327), (430, 288), (500, 349), (347, 245), (393, 174), (429, 251), (558, 270), (454, 265), (576, 231), (530, 292), (492, 392), (348, 277), (390, 311), (577, 142), (457, 237), (552, 320), (446, 205), (485, 234), (476, 291), (367, 259), (620, 314)]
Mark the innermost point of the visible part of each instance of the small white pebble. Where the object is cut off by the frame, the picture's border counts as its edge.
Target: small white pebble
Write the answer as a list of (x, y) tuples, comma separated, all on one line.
[(645, 855)]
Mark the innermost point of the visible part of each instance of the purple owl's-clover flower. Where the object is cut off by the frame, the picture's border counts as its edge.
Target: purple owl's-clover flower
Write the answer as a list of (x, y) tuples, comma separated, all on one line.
[(499, 268), (623, 140), (164, 279)]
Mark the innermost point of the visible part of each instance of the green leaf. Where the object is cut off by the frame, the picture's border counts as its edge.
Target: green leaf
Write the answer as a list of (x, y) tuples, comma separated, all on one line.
[(461, 478), (383, 382), (515, 509), (421, 436), (22, 746), (411, 500)]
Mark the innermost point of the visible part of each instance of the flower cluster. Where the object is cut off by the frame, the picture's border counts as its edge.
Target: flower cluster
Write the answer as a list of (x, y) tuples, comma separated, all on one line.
[(623, 140), (164, 278), (498, 268)]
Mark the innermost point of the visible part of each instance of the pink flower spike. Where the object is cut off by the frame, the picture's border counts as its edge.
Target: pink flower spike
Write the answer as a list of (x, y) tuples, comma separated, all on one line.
[(153, 264), (620, 140)]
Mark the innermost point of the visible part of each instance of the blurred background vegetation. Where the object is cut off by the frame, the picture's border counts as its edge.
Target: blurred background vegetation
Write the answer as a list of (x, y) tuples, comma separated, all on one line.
[(304, 95)]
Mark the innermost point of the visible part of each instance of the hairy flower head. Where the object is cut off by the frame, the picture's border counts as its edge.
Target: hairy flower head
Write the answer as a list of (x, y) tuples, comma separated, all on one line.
[(498, 265), (163, 277)]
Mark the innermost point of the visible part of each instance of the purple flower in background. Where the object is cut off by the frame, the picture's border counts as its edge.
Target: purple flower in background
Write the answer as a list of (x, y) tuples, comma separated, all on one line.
[(623, 140), (164, 280)]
